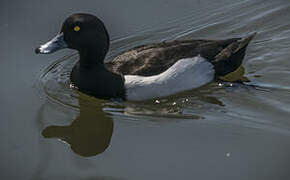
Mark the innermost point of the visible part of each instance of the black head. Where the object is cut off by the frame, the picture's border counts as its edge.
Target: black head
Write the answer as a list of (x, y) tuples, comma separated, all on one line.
[(83, 32)]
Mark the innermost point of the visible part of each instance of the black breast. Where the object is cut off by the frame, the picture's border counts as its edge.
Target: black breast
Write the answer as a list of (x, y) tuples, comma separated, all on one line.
[(97, 81)]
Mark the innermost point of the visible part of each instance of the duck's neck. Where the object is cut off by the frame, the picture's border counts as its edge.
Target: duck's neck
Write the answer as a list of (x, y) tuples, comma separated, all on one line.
[(91, 58)]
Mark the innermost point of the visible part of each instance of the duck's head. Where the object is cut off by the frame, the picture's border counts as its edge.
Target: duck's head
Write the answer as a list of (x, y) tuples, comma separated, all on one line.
[(83, 32)]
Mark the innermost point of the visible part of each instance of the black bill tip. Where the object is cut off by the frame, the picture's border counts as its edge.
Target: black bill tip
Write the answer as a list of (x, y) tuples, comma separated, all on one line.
[(37, 50)]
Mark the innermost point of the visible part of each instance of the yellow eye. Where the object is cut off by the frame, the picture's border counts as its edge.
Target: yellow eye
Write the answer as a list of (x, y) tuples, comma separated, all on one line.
[(77, 28)]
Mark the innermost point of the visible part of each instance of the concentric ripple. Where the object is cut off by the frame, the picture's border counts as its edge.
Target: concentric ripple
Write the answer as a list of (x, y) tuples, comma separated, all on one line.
[(54, 81)]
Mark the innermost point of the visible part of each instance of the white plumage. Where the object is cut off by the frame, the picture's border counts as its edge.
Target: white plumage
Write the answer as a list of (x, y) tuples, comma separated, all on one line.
[(185, 74)]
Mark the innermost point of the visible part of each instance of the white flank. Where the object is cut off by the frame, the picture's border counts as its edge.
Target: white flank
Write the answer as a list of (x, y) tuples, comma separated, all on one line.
[(185, 74)]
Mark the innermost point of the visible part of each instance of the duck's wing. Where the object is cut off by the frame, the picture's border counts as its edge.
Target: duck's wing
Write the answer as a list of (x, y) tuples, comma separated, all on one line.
[(156, 58)]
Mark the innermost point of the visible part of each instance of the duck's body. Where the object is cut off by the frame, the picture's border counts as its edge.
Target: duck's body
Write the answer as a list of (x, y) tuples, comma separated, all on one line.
[(148, 71)]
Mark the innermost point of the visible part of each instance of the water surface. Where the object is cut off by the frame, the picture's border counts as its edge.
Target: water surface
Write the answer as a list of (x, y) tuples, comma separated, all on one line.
[(219, 131)]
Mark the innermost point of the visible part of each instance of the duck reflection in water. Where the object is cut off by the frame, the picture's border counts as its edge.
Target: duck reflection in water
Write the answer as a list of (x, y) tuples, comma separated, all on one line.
[(90, 133)]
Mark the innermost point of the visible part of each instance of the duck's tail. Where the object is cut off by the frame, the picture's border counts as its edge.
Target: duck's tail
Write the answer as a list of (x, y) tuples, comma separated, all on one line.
[(230, 58)]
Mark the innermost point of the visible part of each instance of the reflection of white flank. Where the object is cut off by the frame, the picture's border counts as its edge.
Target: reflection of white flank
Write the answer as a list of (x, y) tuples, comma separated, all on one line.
[(185, 74)]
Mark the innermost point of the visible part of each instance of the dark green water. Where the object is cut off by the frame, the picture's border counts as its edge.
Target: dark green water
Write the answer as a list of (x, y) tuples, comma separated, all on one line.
[(220, 131)]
